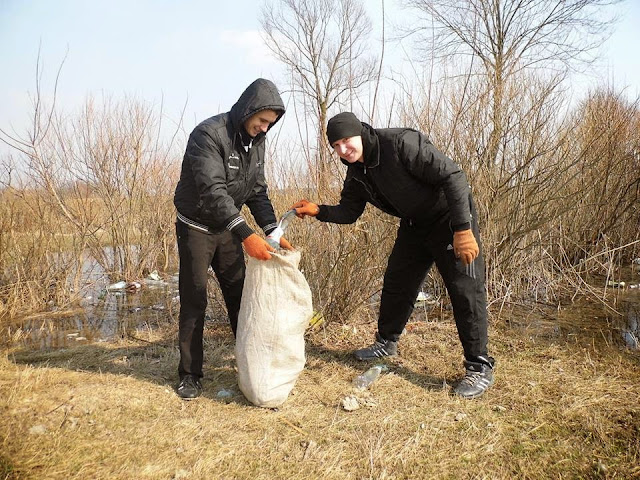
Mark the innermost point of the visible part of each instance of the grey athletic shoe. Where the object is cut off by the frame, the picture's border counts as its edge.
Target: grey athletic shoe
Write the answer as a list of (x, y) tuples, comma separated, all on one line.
[(189, 387), (478, 378), (380, 348)]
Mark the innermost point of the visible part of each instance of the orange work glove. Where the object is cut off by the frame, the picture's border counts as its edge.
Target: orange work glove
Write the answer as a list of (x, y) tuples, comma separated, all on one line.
[(305, 207), (465, 246), (256, 247), (285, 244)]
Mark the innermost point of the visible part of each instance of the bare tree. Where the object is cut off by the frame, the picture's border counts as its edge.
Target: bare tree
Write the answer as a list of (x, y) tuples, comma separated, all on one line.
[(509, 36), (543, 173), (323, 45)]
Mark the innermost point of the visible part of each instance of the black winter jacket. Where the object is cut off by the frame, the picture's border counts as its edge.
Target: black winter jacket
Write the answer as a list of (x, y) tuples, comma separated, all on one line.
[(218, 176), (404, 175)]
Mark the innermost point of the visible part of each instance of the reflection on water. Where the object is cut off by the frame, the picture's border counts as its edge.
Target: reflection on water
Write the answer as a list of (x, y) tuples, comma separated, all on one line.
[(631, 333), (108, 313), (102, 318), (104, 314), (590, 324)]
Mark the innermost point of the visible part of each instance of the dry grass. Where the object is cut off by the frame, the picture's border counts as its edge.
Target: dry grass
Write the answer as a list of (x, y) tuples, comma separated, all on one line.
[(109, 411)]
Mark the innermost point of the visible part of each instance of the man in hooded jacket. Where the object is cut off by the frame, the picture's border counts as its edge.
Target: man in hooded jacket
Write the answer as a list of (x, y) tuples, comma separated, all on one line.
[(400, 172), (222, 170)]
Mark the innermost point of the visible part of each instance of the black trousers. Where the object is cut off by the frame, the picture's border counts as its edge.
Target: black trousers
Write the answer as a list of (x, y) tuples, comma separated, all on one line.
[(414, 252), (198, 251)]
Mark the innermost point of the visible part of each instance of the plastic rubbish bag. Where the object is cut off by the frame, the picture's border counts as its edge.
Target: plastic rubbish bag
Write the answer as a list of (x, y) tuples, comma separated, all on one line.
[(274, 312)]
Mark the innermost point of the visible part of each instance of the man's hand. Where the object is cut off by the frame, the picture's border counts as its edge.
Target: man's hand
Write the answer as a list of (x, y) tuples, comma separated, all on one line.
[(305, 207), (256, 247), (285, 244), (465, 246)]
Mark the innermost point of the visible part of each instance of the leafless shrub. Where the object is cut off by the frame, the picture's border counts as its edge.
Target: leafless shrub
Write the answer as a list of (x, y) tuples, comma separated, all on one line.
[(605, 195), (503, 116), (34, 273), (99, 183), (564, 187), (131, 174), (110, 178)]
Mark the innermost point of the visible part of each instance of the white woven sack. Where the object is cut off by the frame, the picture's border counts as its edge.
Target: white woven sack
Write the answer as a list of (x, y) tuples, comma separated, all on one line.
[(274, 312)]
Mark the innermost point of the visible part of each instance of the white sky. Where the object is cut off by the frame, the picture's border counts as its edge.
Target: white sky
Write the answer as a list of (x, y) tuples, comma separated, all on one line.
[(199, 52)]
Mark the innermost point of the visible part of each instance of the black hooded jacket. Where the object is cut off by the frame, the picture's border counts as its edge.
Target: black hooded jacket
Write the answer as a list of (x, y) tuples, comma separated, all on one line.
[(218, 176), (404, 175)]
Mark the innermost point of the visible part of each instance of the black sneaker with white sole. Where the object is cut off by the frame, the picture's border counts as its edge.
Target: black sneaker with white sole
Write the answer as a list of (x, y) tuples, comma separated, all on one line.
[(380, 348), (189, 387), (478, 378)]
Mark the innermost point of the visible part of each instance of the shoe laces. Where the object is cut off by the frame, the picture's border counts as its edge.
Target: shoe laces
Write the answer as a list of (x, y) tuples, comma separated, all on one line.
[(472, 377), (380, 346), (189, 381)]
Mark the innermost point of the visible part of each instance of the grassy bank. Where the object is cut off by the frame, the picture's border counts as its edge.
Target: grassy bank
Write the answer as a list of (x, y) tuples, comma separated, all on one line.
[(109, 411)]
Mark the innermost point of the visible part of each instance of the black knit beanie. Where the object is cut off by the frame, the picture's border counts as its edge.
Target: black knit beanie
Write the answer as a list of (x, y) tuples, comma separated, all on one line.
[(343, 125)]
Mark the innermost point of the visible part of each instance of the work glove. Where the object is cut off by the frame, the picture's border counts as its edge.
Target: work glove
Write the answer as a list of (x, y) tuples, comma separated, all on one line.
[(305, 207), (465, 246), (256, 247)]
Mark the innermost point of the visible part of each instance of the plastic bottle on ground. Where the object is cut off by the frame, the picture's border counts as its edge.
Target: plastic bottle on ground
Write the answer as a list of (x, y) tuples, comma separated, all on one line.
[(367, 378)]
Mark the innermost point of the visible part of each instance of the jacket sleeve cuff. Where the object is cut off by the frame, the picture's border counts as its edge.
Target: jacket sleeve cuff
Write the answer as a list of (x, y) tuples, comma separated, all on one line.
[(322, 213), (267, 229), (461, 227), (239, 227)]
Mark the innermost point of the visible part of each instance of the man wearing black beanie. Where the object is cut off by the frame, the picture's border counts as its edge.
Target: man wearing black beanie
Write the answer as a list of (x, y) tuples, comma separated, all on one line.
[(399, 171)]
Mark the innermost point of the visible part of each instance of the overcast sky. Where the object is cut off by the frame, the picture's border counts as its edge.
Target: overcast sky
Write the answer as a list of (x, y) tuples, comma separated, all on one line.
[(199, 52)]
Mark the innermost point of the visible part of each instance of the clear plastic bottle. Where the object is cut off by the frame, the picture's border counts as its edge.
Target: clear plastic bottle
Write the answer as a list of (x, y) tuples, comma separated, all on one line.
[(273, 238), (365, 379)]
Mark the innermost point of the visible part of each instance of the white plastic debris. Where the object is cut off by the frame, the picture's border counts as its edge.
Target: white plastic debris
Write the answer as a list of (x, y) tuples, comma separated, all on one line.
[(224, 394), (37, 430), (117, 286), (273, 238), (350, 403), (367, 378), (154, 276)]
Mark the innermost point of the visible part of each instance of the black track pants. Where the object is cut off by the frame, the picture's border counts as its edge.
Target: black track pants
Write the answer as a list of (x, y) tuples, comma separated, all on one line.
[(415, 250), (198, 251)]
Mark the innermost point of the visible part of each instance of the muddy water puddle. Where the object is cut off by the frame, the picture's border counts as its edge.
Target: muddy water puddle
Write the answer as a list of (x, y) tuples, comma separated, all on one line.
[(115, 310), (589, 323), (107, 311)]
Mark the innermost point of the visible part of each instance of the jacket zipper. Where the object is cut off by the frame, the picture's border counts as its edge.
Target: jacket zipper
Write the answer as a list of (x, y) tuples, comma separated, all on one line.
[(245, 163)]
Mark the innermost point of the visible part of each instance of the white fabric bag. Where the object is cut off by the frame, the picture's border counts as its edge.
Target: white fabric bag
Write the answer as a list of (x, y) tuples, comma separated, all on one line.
[(275, 310)]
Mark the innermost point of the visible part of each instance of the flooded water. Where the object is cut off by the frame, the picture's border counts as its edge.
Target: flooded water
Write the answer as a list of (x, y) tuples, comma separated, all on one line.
[(107, 311), (113, 310), (589, 323)]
